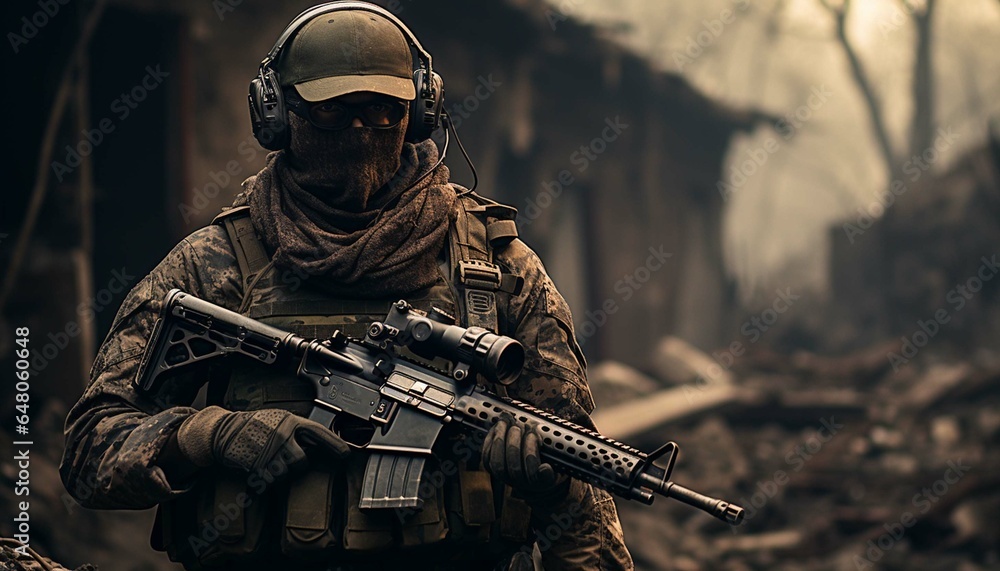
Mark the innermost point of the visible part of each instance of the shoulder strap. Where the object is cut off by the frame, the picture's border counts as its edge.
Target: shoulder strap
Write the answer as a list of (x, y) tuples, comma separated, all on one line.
[(250, 252), (481, 226)]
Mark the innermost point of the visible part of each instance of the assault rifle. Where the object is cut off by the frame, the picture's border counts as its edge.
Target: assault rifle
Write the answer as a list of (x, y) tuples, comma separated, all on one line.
[(406, 404)]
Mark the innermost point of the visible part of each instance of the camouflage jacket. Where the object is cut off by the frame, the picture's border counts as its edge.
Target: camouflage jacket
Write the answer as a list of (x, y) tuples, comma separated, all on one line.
[(114, 434)]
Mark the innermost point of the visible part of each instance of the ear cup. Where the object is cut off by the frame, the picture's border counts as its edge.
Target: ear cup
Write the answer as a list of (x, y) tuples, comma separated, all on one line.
[(425, 110), (268, 115)]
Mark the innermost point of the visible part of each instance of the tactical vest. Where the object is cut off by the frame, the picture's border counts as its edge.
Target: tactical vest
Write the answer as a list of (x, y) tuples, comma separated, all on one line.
[(315, 515)]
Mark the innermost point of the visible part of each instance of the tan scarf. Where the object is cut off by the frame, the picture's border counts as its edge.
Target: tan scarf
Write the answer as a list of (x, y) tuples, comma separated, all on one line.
[(390, 247)]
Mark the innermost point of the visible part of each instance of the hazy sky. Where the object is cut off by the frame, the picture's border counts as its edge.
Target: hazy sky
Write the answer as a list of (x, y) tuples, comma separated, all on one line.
[(774, 54)]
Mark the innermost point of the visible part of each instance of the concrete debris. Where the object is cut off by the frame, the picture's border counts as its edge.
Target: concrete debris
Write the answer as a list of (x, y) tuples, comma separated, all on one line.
[(677, 362), (840, 464)]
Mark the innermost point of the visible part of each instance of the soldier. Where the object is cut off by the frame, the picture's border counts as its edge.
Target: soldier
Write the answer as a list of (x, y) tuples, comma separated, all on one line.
[(352, 211)]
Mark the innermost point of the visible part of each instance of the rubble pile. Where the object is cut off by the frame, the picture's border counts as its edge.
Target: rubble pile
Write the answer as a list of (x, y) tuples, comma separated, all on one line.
[(15, 556), (840, 463)]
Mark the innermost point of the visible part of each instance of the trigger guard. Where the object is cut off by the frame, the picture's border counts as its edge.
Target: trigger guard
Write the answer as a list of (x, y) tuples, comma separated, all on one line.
[(356, 433)]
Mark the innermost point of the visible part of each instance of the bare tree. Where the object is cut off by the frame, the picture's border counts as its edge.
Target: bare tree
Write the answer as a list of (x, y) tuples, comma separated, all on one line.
[(922, 88), (921, 128)]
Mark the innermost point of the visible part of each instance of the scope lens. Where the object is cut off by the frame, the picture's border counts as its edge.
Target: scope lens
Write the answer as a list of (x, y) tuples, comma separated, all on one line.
[(504, 358)]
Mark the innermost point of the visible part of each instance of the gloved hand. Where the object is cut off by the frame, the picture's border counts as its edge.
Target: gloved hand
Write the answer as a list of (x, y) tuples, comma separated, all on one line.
[(511, 452), (252, 440)]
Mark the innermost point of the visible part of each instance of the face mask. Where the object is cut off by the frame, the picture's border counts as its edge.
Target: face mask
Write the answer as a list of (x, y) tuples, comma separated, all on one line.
[(343, 168)]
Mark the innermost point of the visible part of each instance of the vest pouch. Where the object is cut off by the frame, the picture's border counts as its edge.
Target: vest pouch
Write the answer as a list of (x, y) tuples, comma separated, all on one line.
[(515, 518), (217, 522), (470, 506), (312, 526), (367, 530), (477, 497), (430, 523), (175, 530)]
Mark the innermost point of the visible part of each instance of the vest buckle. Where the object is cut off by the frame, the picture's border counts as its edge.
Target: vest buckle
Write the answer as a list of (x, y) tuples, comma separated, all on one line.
[(482, 275), (479, 274)]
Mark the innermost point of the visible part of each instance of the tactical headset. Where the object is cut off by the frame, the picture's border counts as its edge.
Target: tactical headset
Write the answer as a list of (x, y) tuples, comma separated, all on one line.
[(269, 113)]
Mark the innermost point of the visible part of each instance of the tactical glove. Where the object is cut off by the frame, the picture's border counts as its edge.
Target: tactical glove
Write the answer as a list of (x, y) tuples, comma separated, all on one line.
[(511, 452), (253, 440)]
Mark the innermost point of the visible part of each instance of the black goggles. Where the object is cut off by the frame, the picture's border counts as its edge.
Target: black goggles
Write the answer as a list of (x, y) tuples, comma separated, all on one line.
[(381, 113)]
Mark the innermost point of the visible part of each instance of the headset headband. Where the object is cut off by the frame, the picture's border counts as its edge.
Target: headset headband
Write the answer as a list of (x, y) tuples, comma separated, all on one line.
[(337, 6)]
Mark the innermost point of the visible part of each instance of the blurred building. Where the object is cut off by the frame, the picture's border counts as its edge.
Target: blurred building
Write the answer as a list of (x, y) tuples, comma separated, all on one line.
[(929, 264)]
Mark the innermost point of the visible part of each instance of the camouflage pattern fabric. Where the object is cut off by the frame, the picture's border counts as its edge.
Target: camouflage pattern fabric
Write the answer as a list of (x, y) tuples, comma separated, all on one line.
[(114, 434)]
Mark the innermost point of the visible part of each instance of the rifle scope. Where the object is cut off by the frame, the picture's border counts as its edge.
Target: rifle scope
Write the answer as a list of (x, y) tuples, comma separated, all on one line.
[(495, 356)]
